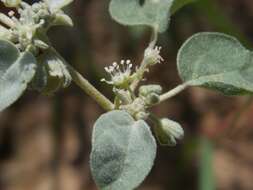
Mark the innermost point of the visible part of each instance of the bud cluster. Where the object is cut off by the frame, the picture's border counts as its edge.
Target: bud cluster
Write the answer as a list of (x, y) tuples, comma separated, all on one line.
[(26, 25), (123, 80), (168, 132)]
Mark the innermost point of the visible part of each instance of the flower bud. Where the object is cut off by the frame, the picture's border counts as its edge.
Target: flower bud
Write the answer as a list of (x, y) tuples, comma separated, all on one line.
[(61, 19), (152, 55), (11, 3), (52, 74), (152, 99), (168, 132), (148, 89)]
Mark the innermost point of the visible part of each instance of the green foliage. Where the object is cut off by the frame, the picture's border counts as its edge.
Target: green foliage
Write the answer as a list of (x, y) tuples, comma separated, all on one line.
[(216, 61), (123, 151), (16, 71), (154, 13)]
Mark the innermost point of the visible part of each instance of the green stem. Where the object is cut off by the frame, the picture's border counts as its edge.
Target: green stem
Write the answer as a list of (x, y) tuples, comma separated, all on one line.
[(87, 87), (173, 92), (154, 37), (143, 66), (154, 119)]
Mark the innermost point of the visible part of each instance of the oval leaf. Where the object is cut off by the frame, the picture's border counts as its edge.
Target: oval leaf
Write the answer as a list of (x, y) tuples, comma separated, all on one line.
[(16, 71), (154, 13), (216, 61), (123, 151)]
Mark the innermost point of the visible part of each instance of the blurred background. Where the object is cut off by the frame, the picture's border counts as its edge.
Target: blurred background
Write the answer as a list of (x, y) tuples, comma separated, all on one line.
[(45, 141)]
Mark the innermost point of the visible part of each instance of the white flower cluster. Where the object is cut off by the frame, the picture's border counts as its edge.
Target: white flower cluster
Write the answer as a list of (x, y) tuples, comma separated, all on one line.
[(31, 20), (22, 29), (32, 17), (152, 55), (120, 73)]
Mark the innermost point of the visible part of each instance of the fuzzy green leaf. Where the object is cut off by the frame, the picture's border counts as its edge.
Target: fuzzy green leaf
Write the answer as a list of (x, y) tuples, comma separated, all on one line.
[(216, 61), (123, 151), (154, 13), (16, 71)]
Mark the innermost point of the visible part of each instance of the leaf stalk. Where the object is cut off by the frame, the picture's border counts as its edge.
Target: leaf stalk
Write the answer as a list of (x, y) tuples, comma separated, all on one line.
[(87, 87), (173, 92)]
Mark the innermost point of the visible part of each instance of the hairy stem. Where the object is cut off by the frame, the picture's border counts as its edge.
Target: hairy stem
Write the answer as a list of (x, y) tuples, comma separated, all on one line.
[(154, 38), (143, 66), (87, 87), (173, 92)]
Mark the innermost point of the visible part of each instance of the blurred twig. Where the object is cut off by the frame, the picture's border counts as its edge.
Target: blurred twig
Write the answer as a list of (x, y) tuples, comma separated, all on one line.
[(206, 175)]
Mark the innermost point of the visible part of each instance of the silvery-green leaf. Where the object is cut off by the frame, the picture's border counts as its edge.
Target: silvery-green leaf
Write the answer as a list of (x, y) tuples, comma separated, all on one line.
[(56, 5), (154, 13), (55, 69), (216, 61), (16, 71), (123, 151), (168, 132)]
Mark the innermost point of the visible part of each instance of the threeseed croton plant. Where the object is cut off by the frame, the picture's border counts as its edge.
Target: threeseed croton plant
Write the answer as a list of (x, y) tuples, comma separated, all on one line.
[(123, 146)]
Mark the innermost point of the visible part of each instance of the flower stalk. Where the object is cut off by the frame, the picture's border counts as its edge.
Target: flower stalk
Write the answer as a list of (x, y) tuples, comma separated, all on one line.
[(88, 88), (173, 92)]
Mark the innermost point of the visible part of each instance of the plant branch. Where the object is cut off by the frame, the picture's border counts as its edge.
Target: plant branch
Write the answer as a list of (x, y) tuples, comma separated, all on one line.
[(173, 92), (154, 119), (154, 38), (143, 66), (87, 87)]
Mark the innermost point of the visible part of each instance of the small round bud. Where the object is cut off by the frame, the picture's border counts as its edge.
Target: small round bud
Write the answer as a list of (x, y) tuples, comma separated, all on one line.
[(152, 99), (141, 116), (148, 89), (62, 19)]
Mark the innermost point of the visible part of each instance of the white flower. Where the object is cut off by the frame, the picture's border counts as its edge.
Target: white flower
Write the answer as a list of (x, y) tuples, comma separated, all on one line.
[(120, 73), (152, 55)]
